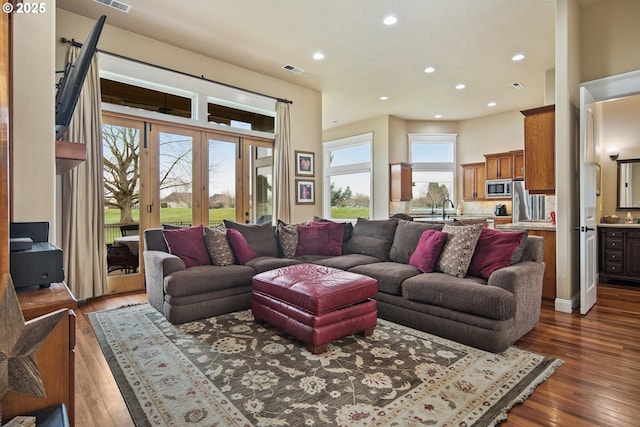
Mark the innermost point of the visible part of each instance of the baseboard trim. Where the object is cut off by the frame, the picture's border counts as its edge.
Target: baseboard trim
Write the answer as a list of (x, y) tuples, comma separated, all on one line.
[(566, 305)]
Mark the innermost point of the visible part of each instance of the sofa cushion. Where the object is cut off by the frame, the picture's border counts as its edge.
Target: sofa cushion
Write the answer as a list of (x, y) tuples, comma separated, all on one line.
[(265, 263), (348, 228), (312, 241), (188, 245), (372, 237), (406, 239), (466, 295), (287, 236), (261, 238), (215, 239), (425, 257), (389, 275), (207, 278), (336, 235), (241, 248), (494, 250), (458, 250), (345, 262)]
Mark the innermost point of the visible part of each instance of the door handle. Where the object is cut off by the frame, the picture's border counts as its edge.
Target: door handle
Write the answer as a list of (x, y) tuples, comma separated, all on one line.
[(583, 229)]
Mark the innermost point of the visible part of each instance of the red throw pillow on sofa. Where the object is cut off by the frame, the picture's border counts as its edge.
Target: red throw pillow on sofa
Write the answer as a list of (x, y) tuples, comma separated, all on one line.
[(312, 240), (240, 247), (336, 235), (428, 250), (188, 244), (494, 250)]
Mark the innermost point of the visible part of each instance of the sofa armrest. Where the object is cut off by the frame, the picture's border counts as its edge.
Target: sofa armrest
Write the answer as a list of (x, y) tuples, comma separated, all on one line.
[(157, 266), (524, 280)]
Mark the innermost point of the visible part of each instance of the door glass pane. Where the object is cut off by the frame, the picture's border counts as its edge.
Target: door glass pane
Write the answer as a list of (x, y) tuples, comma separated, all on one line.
[(120, 145), (222, 181), (176, 187), (350, 195), (261, 206)]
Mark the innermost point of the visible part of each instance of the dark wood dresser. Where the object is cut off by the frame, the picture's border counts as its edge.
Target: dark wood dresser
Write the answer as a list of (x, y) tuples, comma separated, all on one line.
[(619, 252)]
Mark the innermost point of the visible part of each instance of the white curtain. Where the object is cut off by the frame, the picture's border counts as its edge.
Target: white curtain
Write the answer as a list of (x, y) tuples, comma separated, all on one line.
[(83, 239), (283, 163)]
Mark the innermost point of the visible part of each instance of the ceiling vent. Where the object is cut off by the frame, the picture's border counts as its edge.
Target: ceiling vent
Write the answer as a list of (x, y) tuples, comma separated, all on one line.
[(293, 69), (517, 85), (123, 7)]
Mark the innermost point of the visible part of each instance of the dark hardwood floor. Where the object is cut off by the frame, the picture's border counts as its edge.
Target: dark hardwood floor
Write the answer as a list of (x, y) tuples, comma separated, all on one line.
[(596, 386)]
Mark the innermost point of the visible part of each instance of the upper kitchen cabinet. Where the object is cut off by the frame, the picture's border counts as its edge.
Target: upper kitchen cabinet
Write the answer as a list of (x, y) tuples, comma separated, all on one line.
[(498, 166), (401, 182), (518, 164), (539, 149), (473, 180)]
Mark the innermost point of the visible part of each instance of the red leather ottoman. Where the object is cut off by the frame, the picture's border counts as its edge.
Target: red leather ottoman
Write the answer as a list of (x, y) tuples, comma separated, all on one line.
[(315, 304)]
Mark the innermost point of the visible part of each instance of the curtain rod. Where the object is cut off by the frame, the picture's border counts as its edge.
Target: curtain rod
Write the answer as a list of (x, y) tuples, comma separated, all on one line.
[(72, 42)]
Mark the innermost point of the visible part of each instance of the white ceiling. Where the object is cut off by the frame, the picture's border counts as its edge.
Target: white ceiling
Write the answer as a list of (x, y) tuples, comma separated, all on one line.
[(467, 41)]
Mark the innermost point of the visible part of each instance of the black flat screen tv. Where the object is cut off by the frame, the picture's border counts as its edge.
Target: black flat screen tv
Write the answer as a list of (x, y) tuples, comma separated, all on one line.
[(70, 84)]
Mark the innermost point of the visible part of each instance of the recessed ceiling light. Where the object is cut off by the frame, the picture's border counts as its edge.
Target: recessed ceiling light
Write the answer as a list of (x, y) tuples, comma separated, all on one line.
[(390, 20), (438, 116), (429, 70), (318, 56), (384, 98), (517, 57), (491, 104), (460, 86)]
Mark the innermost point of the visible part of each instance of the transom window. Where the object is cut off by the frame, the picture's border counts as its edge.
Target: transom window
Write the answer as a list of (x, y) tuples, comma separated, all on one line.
[(433, 157)]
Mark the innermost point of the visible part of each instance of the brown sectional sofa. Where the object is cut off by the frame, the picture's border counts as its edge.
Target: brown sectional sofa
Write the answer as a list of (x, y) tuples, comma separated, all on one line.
[(488, 314)]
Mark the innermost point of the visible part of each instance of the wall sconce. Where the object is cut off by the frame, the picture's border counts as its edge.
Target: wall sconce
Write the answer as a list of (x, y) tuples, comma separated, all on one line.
[(613, 153)]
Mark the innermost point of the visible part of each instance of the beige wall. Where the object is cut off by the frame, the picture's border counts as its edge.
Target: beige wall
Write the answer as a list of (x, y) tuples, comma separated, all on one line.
[(620, 128), (610, 38), (33, 157), (306, 111)]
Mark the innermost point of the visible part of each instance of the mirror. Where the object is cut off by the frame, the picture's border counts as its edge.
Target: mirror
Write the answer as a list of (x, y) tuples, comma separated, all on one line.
[(629, 184)]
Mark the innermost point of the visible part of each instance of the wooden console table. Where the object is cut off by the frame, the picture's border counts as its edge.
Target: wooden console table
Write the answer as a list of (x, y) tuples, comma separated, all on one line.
[(55, 357)]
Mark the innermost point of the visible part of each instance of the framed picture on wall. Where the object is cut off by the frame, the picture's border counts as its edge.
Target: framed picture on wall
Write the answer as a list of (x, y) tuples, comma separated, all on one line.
[(305, 192), (304, 163)]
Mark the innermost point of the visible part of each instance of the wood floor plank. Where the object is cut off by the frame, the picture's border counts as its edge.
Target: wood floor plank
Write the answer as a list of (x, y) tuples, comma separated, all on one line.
[(596, 386)]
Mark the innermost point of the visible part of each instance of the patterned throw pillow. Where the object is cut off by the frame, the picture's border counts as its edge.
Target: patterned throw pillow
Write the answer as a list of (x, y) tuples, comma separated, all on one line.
[(215, 238), (287, 235), (458, 250)]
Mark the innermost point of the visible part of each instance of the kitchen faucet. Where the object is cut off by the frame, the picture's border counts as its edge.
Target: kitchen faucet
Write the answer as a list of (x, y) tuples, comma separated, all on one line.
[(445, 204)]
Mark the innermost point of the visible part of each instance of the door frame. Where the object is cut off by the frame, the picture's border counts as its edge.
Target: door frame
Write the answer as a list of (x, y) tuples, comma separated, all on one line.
[(618, 86)]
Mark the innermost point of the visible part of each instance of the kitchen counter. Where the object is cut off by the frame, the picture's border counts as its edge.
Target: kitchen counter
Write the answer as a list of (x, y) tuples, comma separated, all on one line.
[(463, 218), (533, 225), (634, 225)]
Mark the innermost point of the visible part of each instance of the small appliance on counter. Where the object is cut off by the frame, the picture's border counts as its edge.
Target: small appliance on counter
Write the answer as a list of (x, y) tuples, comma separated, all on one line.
[(500, 210), (527, 207)]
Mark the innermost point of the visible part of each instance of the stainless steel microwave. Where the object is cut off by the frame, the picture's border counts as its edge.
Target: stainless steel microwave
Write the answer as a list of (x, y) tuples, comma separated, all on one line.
[(498, 188)]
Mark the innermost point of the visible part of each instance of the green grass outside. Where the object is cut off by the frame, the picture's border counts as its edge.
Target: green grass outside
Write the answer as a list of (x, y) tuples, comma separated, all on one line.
[(169, 215), (112, 216)]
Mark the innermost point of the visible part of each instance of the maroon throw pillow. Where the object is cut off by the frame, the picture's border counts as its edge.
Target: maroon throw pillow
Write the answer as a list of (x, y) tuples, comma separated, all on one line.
[(240, 247), (494, 250), (188, 244), (312, 240), (336, 235), (428, 250)]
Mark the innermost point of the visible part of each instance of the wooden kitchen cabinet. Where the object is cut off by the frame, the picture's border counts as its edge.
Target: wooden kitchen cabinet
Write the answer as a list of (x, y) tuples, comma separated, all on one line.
[(517, 159), (401, 181), (549, 258), (498, 166), (56, 356), (540, 149), (473, 179)]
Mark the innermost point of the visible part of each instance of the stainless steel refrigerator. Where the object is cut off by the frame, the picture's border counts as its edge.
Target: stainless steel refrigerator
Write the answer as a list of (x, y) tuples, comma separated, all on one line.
[(526, 207)]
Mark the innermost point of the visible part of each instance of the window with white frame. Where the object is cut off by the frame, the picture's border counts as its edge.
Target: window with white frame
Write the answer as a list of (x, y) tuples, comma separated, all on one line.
[(433, 159), (348, 177)]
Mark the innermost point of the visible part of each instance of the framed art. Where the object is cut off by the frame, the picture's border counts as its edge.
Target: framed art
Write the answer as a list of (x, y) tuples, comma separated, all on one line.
[(305, 192), (304, 163)]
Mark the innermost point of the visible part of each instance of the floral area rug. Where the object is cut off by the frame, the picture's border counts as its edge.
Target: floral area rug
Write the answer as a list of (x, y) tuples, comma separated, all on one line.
[(229, 371)]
